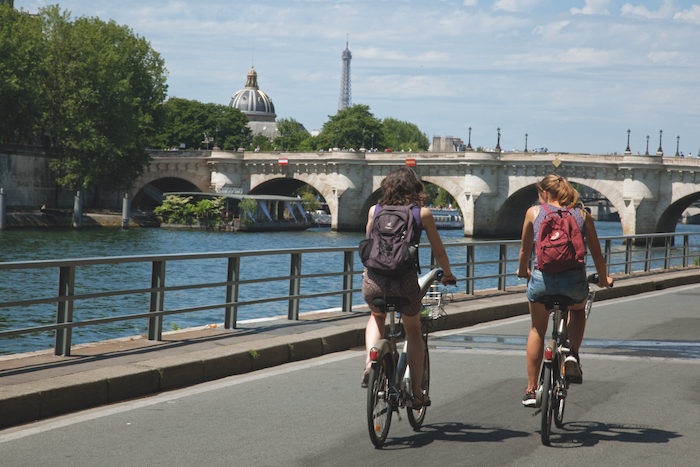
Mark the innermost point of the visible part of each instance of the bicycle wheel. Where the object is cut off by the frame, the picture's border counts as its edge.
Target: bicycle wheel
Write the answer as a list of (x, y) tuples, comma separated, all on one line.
[(378, 402), (559, 400), (416, 417), (547, 403)]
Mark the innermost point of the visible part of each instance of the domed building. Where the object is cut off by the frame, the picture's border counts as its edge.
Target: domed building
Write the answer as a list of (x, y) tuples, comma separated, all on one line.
[(257, 106)]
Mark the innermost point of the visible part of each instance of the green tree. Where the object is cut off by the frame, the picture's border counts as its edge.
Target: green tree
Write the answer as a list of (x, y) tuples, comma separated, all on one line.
[(346, 127), (292, 134), (187, 121), (262, 141), (406, 134), (103, 92), (20, 75), (246, 205)]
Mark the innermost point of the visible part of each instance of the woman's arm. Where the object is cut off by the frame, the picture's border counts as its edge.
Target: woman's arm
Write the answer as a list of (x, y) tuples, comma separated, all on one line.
[(528, 236), (598, 259), (370, 218), (438, 248)]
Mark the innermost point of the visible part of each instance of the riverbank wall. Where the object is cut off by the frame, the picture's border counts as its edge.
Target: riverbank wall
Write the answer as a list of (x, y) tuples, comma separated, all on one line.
[(64, 219)]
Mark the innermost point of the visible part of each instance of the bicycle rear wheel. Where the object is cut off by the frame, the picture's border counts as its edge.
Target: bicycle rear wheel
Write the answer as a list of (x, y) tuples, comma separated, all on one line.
[(547, 403), (378, 400), (559, 398), (416, 417)]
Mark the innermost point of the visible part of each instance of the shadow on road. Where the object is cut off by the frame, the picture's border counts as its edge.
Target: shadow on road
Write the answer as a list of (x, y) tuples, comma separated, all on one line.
[(586, 434), (458, 432)]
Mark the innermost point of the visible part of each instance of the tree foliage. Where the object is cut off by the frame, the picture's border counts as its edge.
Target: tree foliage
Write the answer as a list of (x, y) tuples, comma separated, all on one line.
[(103, 91), (349, 128), (187, 121), (20, 75), (403, 135), (180, 210), (293, 136)]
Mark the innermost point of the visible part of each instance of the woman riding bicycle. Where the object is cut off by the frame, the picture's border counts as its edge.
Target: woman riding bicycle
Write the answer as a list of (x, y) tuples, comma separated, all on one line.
[(401, 188), (558, 194)]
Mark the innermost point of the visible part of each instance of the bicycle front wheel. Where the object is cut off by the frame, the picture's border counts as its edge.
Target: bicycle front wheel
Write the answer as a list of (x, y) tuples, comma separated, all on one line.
[(378, 400), (416, 417), (547, 403)]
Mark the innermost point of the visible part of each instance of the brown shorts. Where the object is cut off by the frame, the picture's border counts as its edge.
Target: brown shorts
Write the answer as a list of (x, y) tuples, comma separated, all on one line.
[(374, 285)]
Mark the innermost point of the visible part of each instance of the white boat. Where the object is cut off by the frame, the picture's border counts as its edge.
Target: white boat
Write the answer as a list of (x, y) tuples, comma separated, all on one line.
[(447, 218)]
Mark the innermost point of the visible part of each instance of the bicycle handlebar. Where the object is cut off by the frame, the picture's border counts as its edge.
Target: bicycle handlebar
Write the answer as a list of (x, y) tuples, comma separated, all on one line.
[(426, 280)]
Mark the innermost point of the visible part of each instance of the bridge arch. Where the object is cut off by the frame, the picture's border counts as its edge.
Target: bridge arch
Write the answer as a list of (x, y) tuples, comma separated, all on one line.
[(671, 208), (283, 184), (149, 195)]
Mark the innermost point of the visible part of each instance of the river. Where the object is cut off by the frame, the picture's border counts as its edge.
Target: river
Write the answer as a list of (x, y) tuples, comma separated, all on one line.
[(29, 245)]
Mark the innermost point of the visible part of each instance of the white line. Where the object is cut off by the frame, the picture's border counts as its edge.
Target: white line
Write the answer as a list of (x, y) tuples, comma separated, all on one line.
[(42, 426)]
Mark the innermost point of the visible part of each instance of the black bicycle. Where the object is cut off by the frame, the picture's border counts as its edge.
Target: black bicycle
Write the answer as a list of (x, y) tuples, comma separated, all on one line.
[(554, 383), (389, 387)]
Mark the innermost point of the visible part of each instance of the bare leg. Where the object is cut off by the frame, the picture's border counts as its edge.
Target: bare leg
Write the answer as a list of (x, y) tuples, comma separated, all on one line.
[(539, 316), (374, 332), (576, 326), (411, 325)]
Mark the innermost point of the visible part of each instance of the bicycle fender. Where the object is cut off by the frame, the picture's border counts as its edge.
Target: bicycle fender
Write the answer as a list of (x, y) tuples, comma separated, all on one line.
[(551, 344), (383, 347)]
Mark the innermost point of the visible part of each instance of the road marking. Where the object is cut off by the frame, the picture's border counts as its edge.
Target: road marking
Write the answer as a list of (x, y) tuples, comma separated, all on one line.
[(42, 426)]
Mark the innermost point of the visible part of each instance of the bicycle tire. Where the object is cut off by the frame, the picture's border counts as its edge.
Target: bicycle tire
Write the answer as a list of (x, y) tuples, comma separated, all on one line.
[(416, 417), (379, 407), (559, 400), (547, 403)]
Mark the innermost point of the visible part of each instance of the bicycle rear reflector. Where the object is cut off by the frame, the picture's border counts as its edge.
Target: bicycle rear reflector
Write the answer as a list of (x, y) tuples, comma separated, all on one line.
[(548, 353), (373, 354)]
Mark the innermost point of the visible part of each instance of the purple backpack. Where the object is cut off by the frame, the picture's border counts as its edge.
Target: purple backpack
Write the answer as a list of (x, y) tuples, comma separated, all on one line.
[(391, 246)]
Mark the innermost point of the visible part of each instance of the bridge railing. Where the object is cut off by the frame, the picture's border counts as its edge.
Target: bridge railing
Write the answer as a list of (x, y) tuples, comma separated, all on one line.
[(92, 292)]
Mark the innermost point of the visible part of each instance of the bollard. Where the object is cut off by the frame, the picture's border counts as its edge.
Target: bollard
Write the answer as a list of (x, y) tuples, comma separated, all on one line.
[(126, 211), (2, 208), (78, 211)]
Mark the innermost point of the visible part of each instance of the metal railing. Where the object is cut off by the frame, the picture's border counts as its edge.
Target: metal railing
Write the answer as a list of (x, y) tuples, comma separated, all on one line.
[(489, 263)]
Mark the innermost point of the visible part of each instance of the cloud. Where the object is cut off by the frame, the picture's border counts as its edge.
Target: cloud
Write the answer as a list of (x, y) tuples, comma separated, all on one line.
[(666, 10), (515, 5), (593, 7), (470, 2), (692, 15), (664, 57), (578, 57), (551, 29)]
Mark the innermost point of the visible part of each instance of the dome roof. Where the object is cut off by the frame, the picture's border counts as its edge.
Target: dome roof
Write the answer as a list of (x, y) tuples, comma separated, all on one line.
[(252, 101)]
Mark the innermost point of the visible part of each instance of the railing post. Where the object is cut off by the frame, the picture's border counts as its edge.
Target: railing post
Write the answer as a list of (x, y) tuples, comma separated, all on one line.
[(607, 254), (348, 267), (686, 250), (628, 256), (64, 311), (294, 286), (502, 253), (470, 270), (667, 251), (233, 275), (648, 253), (155, 324)]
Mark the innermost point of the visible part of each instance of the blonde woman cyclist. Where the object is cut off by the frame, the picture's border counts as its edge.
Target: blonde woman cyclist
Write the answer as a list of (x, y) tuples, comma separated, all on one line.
[(557, 193)]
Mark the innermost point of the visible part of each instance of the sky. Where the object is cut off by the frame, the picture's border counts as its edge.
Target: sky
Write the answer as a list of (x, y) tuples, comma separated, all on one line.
[(574, 75)]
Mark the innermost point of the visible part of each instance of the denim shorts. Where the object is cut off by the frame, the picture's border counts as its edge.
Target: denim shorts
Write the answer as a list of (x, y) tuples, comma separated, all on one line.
[(571, 283)]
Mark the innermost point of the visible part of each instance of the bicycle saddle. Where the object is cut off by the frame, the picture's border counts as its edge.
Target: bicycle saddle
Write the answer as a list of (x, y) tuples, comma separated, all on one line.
[(381, 302), (549, 301)]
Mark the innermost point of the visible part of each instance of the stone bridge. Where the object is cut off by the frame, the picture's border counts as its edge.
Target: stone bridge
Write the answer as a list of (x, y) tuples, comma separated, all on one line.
[(493, 190)]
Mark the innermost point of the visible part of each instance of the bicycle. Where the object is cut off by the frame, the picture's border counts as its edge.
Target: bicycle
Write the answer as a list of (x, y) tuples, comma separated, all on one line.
[(389, 386), (553, 383)]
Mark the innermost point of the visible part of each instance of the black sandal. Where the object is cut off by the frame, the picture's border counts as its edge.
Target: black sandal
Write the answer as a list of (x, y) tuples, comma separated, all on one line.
[(365, 379), (423, 401)]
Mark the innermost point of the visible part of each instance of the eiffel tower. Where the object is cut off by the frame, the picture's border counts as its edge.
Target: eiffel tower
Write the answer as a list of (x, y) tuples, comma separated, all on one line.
[(345, 100)]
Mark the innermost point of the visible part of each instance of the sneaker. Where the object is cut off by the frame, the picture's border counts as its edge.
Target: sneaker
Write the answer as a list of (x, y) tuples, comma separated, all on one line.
[(365, 379), (530, 399), (572, 369)]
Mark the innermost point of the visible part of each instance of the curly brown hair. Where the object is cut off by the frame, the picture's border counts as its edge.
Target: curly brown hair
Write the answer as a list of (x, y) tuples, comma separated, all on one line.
[(402, 187)]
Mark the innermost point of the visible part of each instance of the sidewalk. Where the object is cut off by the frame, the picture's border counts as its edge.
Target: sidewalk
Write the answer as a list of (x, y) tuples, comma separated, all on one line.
[(40, 385)]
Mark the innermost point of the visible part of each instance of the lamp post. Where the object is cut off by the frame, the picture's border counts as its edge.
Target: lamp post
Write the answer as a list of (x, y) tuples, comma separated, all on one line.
[(372, 142), (498, 143), (627, 151), (647, 153), (398, 143), (336, 137), (525, 142), (469, 146), (678, 142), (660, 152), (363, 138)]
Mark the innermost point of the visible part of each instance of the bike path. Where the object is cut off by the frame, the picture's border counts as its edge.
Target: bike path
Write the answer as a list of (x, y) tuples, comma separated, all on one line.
[(40, 385)]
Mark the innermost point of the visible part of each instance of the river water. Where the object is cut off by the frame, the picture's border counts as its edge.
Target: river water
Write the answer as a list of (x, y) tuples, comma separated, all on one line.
[(30, 245)]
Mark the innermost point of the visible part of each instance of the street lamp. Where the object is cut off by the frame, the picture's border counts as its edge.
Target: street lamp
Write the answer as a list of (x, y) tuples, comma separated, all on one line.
[(678, 142), (627, 151), (372, 141), (660, 152), (647, 153), (469, 146), (398, 143), (498, 143), (525, 142), (363, 138), (336, 137)]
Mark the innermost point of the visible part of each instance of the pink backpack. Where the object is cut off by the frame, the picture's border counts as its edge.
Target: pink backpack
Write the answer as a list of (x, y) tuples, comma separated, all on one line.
[(560, 244)]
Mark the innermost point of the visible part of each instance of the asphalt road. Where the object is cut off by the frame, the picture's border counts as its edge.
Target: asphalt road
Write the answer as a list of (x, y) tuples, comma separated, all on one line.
[(638, 406)]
